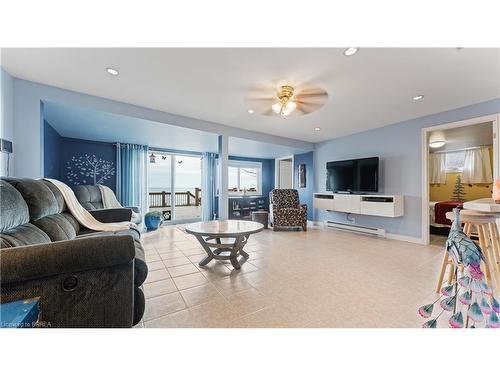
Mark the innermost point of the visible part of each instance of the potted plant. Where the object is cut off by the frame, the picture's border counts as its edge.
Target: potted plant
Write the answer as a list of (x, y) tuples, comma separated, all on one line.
[(152, 220)]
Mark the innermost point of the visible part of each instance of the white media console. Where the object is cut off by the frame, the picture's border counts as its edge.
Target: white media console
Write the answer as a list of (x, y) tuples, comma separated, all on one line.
[(362, 204)]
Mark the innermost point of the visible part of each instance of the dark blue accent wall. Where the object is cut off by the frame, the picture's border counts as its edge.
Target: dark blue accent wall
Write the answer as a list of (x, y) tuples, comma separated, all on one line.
[(52, 152), (82, 159), (267, 172), (305, 194)]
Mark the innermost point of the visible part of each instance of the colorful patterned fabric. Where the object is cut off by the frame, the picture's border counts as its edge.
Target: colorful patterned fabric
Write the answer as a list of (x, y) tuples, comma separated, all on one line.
[(286, 210)]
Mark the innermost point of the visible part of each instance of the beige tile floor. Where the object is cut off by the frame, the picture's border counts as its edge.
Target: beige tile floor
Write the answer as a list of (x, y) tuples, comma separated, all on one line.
[(321, 278)]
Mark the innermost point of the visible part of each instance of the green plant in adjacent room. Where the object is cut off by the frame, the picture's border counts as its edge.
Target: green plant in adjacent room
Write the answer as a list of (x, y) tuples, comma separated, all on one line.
[(458, 194)]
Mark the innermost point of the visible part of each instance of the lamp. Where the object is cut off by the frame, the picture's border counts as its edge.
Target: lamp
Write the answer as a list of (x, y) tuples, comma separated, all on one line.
[(496, 191)]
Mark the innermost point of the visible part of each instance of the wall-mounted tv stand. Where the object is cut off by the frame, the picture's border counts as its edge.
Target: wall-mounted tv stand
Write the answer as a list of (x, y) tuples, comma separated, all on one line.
[(362, 204)]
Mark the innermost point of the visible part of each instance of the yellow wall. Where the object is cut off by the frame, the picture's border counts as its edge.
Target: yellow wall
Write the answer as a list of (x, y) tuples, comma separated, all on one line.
[(444, 192)]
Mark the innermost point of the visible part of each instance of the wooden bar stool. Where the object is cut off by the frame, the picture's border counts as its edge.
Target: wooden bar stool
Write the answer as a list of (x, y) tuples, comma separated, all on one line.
[(484, 225)]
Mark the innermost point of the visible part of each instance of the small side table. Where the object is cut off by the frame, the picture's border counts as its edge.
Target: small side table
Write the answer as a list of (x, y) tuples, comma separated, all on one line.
[(19, 314), (261, 217)]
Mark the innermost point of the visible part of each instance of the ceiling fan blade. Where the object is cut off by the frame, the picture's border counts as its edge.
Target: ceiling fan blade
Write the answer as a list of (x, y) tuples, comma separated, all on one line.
[(262, 98), (306, 108), (312, 93), (307, 103)]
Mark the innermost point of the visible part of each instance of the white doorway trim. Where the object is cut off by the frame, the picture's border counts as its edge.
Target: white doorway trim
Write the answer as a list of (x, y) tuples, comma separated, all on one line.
[(495, 119), (277, 170)]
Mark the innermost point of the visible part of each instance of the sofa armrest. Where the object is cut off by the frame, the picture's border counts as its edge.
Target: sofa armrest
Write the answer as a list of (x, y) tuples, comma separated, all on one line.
[(86, 282), (112, 215), (44, 260)]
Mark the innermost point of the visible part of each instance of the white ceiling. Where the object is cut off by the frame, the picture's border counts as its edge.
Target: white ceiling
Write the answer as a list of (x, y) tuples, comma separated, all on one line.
[(465, 136), (368, 90), (101, 126)]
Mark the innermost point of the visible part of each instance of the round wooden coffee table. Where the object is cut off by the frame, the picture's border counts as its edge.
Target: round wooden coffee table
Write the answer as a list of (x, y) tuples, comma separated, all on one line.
[(210, 234)]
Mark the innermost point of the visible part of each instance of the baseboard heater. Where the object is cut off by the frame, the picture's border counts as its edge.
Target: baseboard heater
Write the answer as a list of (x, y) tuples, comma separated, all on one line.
[(356, 228)]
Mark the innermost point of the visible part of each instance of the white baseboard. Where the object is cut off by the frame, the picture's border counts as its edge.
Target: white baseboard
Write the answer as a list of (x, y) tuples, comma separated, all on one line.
[(400, 237), (391, 236)]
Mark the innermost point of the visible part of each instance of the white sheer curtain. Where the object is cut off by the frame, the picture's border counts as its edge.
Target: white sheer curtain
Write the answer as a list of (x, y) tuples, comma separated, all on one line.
[(437, 168), (477, 166)]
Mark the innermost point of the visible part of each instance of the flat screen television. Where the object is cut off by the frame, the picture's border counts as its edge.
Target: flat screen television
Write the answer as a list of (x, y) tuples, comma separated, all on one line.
[(353, 176)]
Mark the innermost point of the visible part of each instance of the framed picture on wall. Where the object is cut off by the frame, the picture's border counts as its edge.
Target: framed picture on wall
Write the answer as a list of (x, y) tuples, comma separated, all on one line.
[(302, 176)]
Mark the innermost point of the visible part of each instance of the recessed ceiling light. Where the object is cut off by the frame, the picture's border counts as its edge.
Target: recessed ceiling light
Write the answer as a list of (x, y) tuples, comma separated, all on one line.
[(112, 71), (251, 111), (418, 97), (437, 144), (350, 51), (317, 129)]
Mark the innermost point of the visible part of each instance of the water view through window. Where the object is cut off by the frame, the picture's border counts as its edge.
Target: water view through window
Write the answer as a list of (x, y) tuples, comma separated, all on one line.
[(178, 174)]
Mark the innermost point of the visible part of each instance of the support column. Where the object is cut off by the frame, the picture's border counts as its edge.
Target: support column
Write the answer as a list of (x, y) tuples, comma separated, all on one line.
[(222, 174)]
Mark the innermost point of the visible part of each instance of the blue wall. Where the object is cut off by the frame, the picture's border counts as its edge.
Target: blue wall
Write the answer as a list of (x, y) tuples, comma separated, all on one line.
[(75, 154), (68, 159), (52, 152), (305, 194), (399, 149), (267, 172)]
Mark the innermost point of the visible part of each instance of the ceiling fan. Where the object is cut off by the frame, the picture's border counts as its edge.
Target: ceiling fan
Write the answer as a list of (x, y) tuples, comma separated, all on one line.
[(288, 100)]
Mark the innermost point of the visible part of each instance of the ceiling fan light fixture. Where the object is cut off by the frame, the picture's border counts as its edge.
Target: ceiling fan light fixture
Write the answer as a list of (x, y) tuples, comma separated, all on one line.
[(276, 108), (290, 106)]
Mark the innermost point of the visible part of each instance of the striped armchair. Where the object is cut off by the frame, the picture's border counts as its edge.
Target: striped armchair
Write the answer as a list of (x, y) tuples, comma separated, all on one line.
[(286, 210)]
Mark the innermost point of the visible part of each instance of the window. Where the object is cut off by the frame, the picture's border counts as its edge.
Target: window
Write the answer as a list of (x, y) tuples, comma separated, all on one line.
[(454, 161), (244, 177)]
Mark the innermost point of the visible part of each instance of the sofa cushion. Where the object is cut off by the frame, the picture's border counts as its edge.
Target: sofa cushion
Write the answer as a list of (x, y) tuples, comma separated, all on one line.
[(25, 234), (14, 210), (39, 198), (57, 194), (89, 196), (58, 227)]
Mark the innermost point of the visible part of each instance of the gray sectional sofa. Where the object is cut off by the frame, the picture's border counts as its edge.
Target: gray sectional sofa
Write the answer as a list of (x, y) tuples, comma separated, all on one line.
[(90, 198), (83, 278)]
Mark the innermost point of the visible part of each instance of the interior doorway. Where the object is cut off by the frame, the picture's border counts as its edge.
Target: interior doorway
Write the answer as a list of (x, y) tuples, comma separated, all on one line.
[(460, 162), (175, 186), (284, 173)]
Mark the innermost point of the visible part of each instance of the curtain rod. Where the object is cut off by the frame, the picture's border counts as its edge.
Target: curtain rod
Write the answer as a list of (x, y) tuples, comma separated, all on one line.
[(461, 149)]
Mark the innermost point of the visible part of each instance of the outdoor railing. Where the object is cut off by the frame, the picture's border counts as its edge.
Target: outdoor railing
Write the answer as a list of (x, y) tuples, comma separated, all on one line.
[(182, 198)]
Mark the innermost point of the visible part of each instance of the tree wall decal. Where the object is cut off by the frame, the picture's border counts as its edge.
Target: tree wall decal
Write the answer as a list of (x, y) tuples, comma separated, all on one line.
[(88, 169)]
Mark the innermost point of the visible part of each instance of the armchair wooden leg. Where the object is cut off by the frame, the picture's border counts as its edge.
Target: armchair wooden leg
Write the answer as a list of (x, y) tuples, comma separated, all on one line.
[(304, 227), (442, 271)]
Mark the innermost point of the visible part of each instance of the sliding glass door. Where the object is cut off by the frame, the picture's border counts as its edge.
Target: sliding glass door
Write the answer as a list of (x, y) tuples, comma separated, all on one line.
[(175, 186), (187, 182)]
